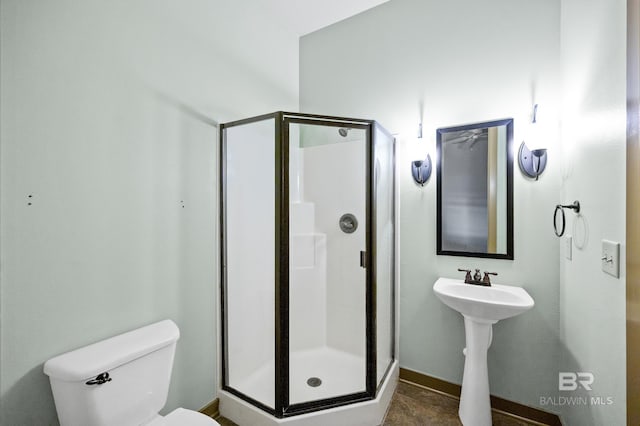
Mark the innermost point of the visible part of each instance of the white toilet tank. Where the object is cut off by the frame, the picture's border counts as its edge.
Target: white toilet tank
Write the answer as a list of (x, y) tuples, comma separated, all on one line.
[(123, 380)]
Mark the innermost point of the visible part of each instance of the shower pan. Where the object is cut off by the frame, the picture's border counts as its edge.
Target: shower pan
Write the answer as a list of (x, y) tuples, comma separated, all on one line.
[(308, 314)]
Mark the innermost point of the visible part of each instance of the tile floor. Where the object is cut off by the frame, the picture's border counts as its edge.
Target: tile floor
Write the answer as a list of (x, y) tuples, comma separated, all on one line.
[(225, 422), (416, 406)]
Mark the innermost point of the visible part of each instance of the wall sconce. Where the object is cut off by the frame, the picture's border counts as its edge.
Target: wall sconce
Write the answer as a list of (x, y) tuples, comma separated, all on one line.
[(421, 169), (532, 158)]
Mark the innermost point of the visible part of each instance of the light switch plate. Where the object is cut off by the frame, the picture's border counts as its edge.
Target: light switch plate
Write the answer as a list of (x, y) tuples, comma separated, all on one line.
[(568, 246), (611, 258)]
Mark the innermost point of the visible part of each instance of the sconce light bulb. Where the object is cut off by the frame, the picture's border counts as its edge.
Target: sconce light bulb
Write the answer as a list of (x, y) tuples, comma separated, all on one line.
[(535, 136), (539, 152)]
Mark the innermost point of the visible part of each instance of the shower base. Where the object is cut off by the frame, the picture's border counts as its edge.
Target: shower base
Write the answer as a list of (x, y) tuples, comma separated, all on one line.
[(341, 373), (356, 414)]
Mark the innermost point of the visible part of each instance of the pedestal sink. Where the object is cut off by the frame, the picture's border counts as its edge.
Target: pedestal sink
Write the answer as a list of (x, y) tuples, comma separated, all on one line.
[(481, 307)]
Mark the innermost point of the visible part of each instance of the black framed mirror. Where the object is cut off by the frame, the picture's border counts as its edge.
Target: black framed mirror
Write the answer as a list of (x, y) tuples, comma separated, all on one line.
[(474, 172)]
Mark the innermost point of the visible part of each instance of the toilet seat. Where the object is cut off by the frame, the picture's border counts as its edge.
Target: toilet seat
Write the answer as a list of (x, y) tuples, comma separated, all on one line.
[(183, 417)]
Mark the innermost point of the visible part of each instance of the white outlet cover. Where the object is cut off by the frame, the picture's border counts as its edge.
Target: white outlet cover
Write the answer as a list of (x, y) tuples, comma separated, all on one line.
[(611, 258)]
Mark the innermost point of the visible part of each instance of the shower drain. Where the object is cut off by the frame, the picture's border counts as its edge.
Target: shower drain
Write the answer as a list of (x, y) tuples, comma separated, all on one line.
[(314, 382)]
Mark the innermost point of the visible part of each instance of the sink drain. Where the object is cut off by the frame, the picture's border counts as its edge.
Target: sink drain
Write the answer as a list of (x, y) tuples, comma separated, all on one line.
[(314, 382)]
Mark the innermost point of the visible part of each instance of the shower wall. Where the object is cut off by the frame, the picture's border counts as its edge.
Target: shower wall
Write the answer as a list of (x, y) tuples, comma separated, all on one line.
[(335, 194), (307, 260), (308, 280), (327, 282)]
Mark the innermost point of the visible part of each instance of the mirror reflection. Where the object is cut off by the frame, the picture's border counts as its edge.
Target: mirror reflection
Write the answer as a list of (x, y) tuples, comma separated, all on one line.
[(475, 190)]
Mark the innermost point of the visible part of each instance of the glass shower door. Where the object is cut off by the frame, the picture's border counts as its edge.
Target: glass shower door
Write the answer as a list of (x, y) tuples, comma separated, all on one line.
[(328, 236), (384, 218), (249, 225)]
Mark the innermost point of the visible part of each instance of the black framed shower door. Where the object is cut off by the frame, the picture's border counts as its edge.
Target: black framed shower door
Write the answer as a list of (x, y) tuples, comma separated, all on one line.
[(280, 405)]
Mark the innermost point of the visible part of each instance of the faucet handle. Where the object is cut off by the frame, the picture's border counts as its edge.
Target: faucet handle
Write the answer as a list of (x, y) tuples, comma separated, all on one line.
[(486, 278), (467, 278)]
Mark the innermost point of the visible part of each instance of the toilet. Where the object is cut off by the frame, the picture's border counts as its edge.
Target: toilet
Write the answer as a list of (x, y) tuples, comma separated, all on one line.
[(120, 381)]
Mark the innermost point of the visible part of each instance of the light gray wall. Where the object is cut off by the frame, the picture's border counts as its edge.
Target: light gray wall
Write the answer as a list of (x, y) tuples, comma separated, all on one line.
[(463, 61), (592, 304), (105, 121)]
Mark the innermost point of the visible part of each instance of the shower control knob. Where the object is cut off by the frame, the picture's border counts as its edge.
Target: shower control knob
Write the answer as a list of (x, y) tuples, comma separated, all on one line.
[(348, 223)]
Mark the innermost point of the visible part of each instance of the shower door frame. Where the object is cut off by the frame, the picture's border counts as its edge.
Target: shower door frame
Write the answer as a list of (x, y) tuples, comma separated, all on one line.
[(282, 407)]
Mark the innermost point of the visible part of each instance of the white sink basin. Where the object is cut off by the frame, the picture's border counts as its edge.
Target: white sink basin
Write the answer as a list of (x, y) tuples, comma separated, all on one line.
[(483, 303)]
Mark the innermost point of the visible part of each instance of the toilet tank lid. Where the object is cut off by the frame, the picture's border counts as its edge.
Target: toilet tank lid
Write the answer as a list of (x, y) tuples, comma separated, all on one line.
[(89, 361)]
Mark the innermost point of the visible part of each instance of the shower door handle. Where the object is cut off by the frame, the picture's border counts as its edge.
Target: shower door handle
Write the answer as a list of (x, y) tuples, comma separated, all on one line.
[(363, 259)]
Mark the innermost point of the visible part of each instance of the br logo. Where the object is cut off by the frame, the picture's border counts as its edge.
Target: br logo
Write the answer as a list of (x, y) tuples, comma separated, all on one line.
[(569, 381)]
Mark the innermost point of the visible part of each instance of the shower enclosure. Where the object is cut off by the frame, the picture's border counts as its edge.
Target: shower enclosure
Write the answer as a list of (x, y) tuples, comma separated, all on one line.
[(307, 250)]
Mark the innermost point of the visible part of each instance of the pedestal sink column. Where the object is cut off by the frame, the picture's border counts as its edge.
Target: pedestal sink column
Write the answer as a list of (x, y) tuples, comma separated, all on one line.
[(475, 404), (481, 307)]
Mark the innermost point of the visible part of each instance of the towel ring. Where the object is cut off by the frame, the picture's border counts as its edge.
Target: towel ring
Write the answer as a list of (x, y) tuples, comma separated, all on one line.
[(575, 206)]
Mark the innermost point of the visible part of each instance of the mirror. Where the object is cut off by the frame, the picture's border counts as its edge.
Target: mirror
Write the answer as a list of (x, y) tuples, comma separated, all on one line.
[(475, 190)]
